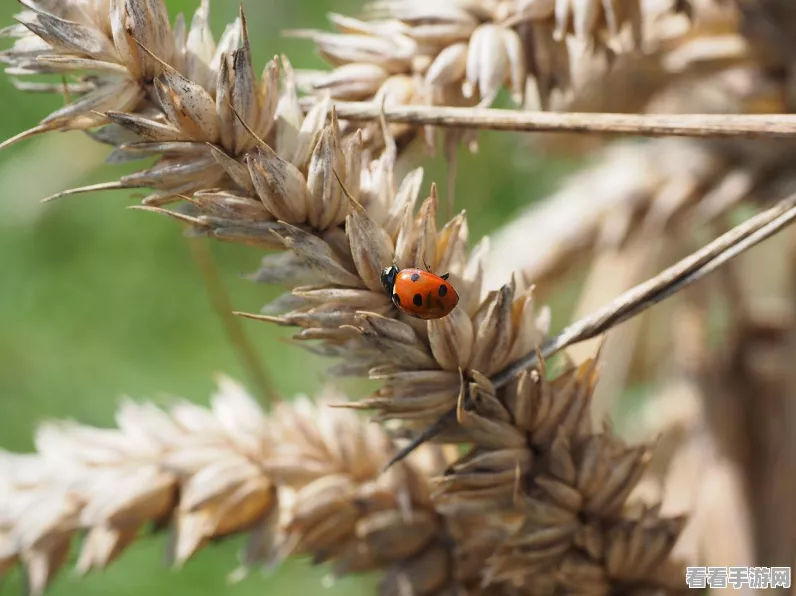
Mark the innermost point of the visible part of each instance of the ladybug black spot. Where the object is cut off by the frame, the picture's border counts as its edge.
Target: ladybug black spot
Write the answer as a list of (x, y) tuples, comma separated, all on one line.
[(417, 299), (397, 299), (415, 276), (443, 290)]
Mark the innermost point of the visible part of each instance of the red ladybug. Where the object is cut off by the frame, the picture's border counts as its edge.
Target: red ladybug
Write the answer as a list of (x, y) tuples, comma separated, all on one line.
[(418, 293)]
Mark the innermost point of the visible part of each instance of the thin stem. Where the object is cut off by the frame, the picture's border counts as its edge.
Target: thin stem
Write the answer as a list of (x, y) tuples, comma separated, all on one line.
[(670, 281), (223, 307), (638, 299), (651, 125)]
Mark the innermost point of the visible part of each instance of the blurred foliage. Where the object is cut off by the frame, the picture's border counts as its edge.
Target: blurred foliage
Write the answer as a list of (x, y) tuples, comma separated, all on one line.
[(97, 301)]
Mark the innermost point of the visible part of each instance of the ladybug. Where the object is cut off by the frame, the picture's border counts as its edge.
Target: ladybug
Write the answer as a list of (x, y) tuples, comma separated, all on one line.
[(420, 294)]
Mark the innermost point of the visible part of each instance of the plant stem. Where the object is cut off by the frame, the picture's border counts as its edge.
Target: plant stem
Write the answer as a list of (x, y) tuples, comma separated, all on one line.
[(668, 282), (651, 125)]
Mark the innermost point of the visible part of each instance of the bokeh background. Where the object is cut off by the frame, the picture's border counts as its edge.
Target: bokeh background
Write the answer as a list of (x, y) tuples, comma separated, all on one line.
[(98, 302)]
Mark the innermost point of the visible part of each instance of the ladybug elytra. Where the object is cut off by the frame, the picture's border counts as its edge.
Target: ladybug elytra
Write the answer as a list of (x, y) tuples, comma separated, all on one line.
[(420, 294)]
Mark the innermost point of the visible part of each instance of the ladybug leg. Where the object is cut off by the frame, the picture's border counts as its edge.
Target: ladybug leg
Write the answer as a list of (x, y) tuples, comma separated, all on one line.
[(426, 265), (445, 276)]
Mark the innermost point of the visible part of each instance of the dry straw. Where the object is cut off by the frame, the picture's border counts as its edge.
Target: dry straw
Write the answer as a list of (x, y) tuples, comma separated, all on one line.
[(540, 499)]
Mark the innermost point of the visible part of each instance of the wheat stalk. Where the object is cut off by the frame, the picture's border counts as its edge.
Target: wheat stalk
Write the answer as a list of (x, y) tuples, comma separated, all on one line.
[(689, 270), (755, 126)]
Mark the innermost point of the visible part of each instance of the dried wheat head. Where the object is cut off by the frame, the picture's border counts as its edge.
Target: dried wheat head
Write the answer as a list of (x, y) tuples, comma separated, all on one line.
[(463, 53), (305, 480)]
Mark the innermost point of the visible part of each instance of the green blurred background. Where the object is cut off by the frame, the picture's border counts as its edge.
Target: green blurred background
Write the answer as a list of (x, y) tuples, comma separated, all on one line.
[(97, 301)]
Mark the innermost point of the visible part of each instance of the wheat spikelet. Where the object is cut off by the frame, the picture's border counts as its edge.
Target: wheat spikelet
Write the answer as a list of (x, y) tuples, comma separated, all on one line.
[(192, 467), (347, 309), (552, 492), (305, 480), (452, 51), (463, 53), (686, 59), (340, 508), (543, 499), (98, 36)]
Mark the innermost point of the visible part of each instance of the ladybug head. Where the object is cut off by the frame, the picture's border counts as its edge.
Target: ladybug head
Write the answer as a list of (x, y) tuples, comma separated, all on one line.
[(388, 275)]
